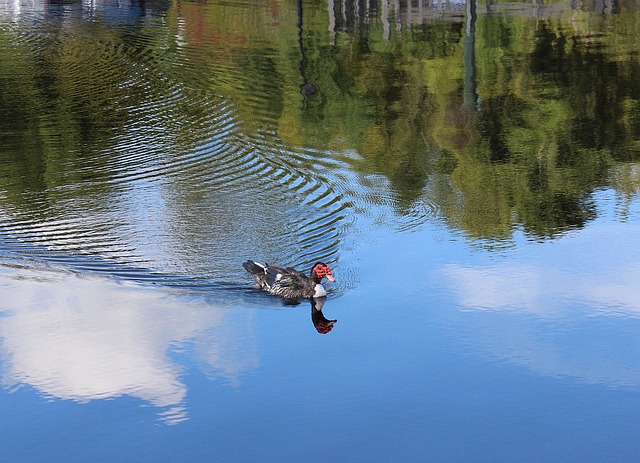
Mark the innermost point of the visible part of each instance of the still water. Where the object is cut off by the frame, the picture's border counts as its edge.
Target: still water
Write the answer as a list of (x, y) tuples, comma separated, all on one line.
[(469, 171)]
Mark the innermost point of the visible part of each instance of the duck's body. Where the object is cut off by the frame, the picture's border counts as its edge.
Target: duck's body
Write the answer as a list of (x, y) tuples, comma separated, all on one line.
[(289, 282)]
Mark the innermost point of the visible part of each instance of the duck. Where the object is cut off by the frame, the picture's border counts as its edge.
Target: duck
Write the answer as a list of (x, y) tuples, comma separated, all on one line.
[(288, 282)]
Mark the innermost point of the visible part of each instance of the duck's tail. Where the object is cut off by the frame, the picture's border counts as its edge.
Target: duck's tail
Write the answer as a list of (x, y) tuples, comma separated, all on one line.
[(254, 268)]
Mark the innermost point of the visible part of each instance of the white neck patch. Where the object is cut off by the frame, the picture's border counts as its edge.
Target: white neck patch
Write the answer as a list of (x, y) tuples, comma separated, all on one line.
[(319, 291)]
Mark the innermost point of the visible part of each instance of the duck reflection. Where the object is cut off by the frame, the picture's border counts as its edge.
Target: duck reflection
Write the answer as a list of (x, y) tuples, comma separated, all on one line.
[(323, 325)]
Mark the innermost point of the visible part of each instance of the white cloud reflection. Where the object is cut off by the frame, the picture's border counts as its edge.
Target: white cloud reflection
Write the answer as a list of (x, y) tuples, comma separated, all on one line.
[(85, 338), (568, 308), (544, 290)]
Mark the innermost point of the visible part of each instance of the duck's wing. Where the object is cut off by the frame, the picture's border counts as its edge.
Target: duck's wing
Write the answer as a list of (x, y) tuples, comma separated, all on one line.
[(284, 277), (266, 274), (292, 277), (284, 282), (253, 267), (294, 271), (292, 286)]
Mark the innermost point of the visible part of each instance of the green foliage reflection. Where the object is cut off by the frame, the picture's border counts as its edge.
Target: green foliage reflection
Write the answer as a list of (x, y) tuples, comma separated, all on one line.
[(553, 115)]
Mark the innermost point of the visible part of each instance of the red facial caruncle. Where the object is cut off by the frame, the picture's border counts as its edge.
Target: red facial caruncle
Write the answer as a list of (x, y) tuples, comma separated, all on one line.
[(322, 270)]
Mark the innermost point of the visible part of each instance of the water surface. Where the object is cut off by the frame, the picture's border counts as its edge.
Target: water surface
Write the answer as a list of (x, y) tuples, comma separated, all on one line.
[(469, 171)]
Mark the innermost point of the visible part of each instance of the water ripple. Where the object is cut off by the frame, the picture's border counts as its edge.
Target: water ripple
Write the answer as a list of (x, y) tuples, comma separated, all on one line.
[(184, 189)]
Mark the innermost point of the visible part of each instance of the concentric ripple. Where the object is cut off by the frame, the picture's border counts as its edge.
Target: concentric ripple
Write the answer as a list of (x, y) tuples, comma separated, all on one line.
[(144, 172), (178, 192)]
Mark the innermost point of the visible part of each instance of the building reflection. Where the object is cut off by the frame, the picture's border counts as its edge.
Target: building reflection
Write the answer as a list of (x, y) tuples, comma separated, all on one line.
[(116, 11)]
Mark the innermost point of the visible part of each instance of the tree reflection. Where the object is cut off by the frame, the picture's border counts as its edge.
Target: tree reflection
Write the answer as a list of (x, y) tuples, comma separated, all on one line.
[(500, 120)]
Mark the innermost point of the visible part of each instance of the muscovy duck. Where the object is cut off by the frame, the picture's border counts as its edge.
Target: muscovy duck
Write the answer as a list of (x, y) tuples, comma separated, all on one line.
[(288, 282)]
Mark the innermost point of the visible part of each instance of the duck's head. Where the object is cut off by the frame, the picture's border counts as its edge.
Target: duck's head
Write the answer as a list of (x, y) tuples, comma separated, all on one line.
[(320, 271)]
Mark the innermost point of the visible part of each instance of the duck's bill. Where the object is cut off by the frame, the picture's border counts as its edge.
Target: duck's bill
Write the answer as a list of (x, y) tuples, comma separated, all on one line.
[(330, 278)]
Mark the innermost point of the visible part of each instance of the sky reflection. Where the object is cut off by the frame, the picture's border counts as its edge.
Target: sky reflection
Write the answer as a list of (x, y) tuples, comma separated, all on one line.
[(568, 308), (595, 268), (85, 338)]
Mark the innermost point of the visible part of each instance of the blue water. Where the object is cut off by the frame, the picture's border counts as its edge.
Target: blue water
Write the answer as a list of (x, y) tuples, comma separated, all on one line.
[(445, 351), (140, 168)]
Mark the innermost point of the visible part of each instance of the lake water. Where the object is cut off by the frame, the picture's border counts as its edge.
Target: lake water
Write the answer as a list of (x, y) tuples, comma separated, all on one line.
[(469, 171)]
